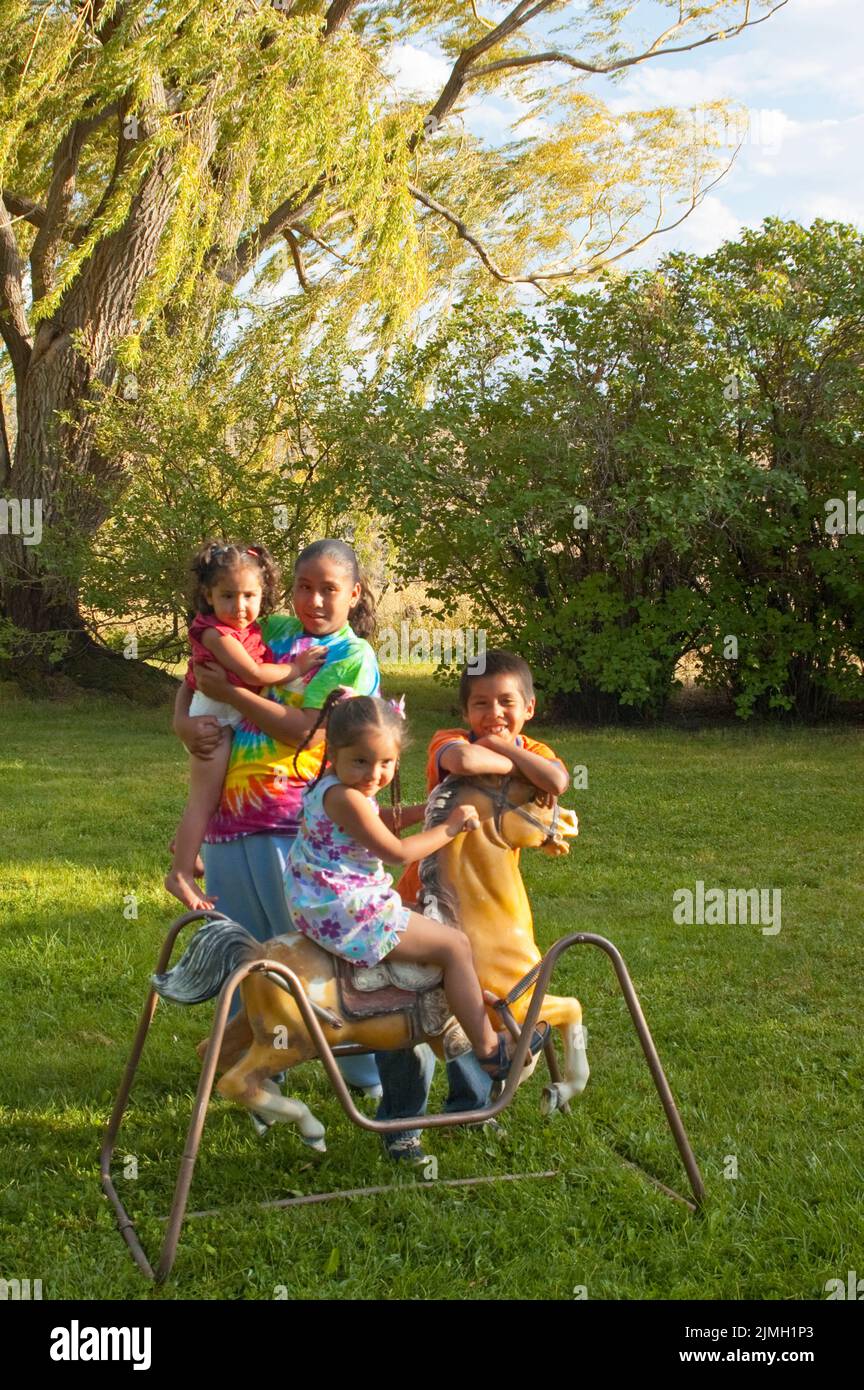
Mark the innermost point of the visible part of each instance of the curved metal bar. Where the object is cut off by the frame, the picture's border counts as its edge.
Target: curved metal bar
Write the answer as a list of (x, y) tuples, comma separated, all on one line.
[(548, 963), (676, 1124), (337, 1081), (291, 982), (127, 1229), (197, 1118)]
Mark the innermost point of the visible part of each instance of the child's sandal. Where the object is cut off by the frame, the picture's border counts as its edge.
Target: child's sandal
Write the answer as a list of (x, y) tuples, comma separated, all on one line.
[(497, 1064)]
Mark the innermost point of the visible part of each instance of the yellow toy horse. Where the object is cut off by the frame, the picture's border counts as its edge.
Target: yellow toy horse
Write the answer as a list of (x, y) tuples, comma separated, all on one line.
[(473, 883)]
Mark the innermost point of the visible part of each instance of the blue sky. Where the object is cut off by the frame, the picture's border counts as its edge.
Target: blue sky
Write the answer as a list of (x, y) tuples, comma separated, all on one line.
[(800, 76)]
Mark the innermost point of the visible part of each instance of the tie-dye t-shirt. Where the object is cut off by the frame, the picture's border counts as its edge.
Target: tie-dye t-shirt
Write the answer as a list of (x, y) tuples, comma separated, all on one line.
[(262, 791)]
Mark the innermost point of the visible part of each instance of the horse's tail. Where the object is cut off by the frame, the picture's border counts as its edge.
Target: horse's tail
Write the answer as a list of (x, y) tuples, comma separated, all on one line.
[(214, 952)]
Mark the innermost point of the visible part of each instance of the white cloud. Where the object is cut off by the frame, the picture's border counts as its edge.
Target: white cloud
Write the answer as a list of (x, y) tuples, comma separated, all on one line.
[(834, 208), (738, 78), (415, 71), (710, 224), (495, 119)]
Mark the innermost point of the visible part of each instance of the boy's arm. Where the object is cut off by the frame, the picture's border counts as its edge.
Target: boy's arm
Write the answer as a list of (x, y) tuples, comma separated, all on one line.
[(285, 723), (201, 734), (473, 760), (548, 775), (234, 658)]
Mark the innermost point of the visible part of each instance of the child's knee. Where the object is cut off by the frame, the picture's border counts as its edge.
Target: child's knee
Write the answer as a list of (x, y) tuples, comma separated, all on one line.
[(458, 947)]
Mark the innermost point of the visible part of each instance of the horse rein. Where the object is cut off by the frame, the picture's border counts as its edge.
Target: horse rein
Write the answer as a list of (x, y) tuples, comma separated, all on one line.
[(499, 799)]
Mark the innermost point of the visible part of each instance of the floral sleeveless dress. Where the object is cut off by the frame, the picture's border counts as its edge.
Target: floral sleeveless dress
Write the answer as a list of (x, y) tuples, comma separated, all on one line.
[(338, 891)]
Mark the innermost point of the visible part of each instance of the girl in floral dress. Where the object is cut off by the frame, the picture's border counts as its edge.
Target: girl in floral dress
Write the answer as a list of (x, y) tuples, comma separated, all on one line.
[(338, 891)]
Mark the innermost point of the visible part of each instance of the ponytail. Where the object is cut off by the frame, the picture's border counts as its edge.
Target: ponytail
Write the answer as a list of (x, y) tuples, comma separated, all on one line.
[(396, 802), (362, 616)]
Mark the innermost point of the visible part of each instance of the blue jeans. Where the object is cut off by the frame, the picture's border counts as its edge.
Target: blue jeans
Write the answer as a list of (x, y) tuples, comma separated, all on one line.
[(407, 1076), (246, 877)]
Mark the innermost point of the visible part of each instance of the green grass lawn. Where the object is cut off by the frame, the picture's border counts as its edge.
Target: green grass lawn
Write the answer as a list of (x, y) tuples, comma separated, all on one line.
[(760, 1036)]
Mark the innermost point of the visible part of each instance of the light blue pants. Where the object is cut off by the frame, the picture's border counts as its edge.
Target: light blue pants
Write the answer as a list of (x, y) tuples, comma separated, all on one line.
[(246, 877)]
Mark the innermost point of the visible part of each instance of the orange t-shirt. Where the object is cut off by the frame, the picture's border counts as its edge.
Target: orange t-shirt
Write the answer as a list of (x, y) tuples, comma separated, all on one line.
[(409, 884)]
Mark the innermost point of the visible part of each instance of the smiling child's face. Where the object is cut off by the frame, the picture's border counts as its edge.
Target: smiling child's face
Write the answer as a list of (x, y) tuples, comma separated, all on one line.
[(323, 595), (496, 705), (369, 763)]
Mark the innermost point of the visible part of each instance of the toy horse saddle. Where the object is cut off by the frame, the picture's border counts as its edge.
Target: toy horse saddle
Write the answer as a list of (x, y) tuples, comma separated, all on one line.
[(366, 991)]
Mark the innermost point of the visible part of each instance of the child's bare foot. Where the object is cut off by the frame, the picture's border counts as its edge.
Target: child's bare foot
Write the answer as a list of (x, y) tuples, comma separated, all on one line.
[(183, 886)]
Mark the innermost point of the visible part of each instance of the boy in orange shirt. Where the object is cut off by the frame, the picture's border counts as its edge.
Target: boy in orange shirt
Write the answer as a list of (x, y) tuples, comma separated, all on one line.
[(497, 703)]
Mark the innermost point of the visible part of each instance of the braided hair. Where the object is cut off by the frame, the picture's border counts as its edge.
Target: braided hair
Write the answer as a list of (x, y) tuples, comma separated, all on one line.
[(346, 718), (215, 558)]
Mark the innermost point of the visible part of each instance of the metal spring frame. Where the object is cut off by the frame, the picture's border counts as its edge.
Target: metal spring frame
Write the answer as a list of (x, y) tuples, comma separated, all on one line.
[(328, 1058)]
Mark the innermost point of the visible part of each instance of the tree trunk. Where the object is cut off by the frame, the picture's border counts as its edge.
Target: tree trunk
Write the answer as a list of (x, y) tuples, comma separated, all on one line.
[(60, 481), (58, 474)]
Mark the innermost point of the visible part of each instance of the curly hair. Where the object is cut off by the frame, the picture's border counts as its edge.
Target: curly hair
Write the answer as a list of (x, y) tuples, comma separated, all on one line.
[(215, 558)]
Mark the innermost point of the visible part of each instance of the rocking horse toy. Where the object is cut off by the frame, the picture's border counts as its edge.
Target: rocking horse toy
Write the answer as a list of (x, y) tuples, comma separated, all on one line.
[(300, 1001)]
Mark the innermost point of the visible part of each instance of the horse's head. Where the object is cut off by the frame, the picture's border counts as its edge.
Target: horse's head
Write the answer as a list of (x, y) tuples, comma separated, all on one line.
[(513, 815), (518, 814)]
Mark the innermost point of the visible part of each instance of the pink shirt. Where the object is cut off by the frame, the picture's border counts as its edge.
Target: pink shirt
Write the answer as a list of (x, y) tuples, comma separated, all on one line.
[(249, 638)]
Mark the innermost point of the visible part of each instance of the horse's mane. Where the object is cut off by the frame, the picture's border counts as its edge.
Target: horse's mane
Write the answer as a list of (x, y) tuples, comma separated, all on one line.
[(435, 898)]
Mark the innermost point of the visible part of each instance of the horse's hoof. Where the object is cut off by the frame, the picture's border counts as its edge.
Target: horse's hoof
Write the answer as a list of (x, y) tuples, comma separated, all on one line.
[(260, 1125), (317, 1144), (550, 1101)]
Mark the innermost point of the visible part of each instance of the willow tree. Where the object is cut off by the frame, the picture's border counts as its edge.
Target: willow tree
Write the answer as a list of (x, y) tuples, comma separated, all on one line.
[(156, 157)]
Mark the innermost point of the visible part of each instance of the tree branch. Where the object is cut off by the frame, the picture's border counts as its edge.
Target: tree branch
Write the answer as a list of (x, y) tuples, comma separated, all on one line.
[(105, 31), (53, 229), (655, 51), (463, 231), (594, 261), (525, 11), (339, 11), (306, 230), (289, 212), (14, 328), (122, 261), (5, 455), (657, 230), (23, 208), (297, 258)]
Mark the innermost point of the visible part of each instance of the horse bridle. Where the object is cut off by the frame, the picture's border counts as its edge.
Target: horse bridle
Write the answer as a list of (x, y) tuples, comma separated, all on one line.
[(498, 796)]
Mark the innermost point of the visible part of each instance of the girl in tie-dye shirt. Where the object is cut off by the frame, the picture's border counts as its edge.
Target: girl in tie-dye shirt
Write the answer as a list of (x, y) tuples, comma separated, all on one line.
[(249, 838), (333, 607)]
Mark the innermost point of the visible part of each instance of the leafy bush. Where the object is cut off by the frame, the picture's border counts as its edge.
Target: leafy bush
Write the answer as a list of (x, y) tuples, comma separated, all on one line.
[(639, 472)]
